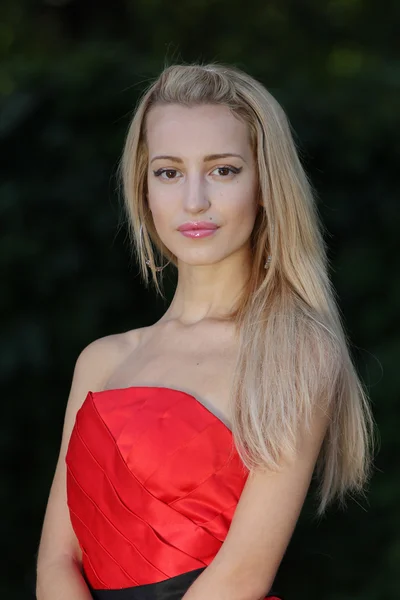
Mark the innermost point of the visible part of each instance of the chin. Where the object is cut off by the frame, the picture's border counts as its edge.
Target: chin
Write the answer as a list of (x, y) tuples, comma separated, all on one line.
[(200, 262)]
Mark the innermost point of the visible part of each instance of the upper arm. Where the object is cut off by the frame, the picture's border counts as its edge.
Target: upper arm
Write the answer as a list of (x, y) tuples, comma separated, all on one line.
[(92, 368), (266, 516)]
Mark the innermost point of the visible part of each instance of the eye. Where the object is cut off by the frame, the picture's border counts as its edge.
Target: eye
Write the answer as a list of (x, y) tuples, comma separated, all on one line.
[(166, 173), (225, 171)]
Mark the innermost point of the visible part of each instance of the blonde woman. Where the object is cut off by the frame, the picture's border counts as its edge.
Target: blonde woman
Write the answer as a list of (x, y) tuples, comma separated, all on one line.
[(189, 445)]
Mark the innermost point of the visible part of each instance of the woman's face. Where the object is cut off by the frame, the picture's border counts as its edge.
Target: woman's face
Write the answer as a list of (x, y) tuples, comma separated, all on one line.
[(201, 169)]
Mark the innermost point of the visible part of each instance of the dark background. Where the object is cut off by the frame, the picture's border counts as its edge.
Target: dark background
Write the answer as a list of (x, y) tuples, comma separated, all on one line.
[(70, 75)]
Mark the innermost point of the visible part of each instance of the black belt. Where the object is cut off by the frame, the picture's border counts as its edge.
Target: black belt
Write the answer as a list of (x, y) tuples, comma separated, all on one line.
[(173, 588)]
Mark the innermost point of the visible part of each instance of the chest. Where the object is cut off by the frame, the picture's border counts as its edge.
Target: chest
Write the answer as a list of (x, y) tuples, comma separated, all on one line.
[(201, 364)]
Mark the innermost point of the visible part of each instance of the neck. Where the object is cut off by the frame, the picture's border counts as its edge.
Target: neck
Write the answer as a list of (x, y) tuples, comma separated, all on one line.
[(209, 291)]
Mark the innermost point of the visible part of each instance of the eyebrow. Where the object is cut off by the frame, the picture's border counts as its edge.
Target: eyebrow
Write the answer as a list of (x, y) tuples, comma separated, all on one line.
[(207, 158)]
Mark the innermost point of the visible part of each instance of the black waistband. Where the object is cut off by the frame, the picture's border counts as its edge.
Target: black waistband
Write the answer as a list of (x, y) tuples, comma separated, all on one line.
[(168, 589)]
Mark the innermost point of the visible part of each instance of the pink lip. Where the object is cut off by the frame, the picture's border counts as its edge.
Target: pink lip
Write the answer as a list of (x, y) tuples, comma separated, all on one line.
[(198, 233), (197, 225)]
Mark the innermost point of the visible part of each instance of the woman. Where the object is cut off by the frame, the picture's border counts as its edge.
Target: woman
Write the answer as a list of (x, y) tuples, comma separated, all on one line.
[(194, 440)]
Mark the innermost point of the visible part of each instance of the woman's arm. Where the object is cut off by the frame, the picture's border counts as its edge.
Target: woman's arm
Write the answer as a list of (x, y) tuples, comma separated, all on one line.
[(59, 559), (263, 523), (62, 580)]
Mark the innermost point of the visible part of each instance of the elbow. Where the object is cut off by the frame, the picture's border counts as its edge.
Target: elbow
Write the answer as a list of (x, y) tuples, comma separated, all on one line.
[(49, 571), (236, 582), (248, 584), (240, 585), (251, 591)]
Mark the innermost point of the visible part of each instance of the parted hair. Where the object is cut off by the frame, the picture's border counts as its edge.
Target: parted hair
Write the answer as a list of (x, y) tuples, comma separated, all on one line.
[(294, 355)]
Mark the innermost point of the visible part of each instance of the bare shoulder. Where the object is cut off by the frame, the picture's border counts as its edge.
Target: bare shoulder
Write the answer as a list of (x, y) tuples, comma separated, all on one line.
[(99, 358), (92, 368)]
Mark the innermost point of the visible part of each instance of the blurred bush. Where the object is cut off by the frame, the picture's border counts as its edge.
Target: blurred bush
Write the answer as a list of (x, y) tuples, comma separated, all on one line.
[(70, 76)]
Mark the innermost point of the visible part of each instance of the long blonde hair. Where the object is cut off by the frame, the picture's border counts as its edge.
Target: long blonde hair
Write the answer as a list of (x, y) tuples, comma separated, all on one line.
[(293, 355)]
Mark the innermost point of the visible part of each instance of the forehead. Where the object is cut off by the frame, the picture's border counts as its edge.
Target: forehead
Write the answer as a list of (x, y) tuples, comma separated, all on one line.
[(205, 129)]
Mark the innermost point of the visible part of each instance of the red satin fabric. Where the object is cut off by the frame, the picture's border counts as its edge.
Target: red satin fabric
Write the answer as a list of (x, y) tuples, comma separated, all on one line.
[(153, 479)]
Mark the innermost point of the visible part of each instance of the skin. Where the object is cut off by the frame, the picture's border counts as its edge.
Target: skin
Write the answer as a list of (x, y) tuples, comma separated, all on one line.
[(211, 270), (211, 273)]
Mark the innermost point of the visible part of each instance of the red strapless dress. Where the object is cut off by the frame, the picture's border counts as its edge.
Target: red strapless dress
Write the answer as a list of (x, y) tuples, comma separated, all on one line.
[(153, 480)]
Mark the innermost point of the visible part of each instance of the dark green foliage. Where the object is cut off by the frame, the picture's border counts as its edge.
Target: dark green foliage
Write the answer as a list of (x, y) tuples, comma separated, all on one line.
[(70, 76)]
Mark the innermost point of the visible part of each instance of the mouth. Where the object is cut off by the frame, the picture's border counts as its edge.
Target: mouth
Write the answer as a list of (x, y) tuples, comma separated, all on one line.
[(197, 226), (198, 233)]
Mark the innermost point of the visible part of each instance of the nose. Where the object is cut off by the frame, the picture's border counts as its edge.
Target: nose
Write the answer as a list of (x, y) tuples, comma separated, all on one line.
[(195, 194)]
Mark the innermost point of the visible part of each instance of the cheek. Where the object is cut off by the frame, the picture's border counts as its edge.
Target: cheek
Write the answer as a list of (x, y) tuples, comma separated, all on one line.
[(159, 199), (240, 204)]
